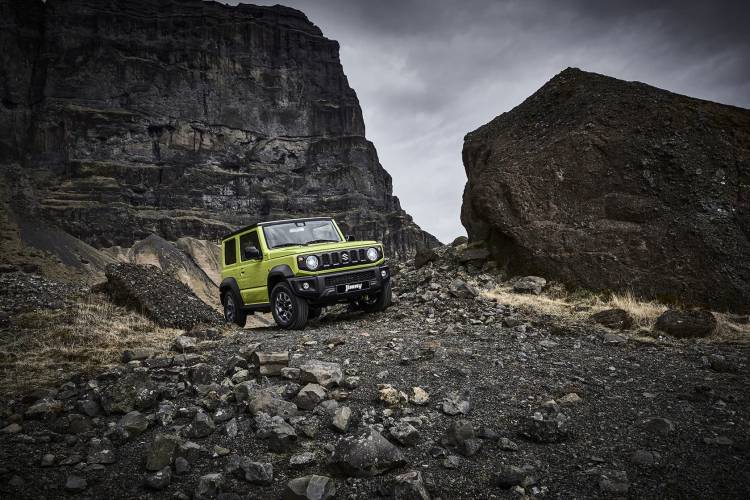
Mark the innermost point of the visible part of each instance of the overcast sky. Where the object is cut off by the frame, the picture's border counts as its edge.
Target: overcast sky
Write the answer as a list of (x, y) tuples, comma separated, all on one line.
[(429, 71)]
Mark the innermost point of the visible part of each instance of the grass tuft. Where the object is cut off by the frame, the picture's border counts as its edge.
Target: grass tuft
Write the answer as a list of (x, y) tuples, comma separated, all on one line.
[(48, 346)]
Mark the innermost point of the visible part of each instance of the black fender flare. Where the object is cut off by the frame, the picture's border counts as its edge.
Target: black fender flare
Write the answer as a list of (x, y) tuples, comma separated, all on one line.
[(278, 273), (230, 284)]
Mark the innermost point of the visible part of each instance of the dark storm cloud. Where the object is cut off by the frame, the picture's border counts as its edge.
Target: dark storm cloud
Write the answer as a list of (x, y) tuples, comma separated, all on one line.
[(429, 71)]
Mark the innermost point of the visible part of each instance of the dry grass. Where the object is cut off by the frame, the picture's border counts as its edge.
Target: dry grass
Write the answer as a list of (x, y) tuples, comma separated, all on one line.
[(49, 346), (577, 307)]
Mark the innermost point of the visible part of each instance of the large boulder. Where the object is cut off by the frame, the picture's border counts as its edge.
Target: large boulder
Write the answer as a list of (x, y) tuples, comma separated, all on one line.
[(366, 454), (687, 324), (607, 184), (160, 296)]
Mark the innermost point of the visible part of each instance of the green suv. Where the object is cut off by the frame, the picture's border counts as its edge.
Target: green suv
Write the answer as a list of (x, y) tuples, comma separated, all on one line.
[(293, 268)]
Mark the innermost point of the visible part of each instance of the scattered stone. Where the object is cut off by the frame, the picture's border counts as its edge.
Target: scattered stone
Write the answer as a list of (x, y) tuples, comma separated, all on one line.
[(301, 460), (181, 466), (614, 482), (658, 425), (530, 284), (461, 436), (509, 476), (137, 354), (506, 444), (366, 454), (547, 427), (460, 289), (13, 428), (309, 396), (404, 433), (183, 343), (160, 479), (162, 452), (722, 364), (280, 435), (244, 390), (44, 409), (419, 396), (48, 460), (454, 404), (75, 484), (616, 319), (256, 472), (134, 422), (290, 373), (451, 462), (644, 458), (391, 396), (614, 338), (270, 363), (321, 372), (570, 399), (201, 374), (718, 440), (312, 487), (209, 486), (201, 426), (410, 486), (266, 401), (341, 419), (687, 324)]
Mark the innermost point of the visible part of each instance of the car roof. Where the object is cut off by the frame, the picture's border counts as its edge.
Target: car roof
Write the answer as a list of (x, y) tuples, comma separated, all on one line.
[(270, 223)]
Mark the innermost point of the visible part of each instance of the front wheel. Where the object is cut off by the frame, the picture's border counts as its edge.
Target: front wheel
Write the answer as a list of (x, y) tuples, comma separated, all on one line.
[(379, 302), (233, 311), (289, 311)]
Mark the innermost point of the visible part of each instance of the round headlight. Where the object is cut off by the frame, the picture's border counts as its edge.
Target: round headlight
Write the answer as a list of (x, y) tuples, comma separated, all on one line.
[(312, 262), (372, 254)]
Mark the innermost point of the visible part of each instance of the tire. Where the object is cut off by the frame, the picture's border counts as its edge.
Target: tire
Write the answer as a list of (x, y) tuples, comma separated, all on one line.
[(314, 312), (289, 311), (378, 303), (233, 311)]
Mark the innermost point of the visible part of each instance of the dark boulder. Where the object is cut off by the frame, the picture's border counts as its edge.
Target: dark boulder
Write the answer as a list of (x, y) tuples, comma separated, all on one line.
[(611, 185), (617, 319), (366, 454), (163, 298), (687, 324)]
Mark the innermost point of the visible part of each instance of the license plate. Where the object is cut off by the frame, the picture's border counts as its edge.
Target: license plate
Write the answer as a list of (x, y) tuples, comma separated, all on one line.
[(353, 286)]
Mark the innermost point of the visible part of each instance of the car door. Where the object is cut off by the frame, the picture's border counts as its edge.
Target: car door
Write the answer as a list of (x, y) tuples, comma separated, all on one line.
[(252, 281)]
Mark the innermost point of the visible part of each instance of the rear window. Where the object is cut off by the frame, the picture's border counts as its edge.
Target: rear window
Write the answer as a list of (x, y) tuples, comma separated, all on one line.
[(230, 252)]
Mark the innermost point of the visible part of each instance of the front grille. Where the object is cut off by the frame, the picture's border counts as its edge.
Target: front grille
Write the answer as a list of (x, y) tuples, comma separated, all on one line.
[(344, 258), (356, 277)]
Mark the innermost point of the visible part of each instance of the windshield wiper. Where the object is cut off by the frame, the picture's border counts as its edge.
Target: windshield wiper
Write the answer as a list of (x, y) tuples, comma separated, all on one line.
[(280, 245), (321, 241)]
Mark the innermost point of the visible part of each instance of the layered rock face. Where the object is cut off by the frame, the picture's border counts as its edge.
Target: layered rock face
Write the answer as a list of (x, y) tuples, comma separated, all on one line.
[(613, 185), (190, 118)]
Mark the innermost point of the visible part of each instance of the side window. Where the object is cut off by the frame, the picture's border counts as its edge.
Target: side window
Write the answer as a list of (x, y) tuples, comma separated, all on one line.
[(248, 240), (230, 252)]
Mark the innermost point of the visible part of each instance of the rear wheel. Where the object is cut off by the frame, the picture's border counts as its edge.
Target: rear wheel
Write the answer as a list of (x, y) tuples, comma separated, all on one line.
[(233, 311), (379, 302), (289, 311)]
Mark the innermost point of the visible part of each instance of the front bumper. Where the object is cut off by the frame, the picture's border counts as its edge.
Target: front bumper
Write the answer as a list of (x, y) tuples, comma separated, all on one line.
[(341, 287)]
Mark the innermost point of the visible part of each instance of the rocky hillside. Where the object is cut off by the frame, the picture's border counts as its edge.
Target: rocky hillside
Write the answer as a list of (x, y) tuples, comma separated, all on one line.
[(606, 184), (123, 118), (454, 392)]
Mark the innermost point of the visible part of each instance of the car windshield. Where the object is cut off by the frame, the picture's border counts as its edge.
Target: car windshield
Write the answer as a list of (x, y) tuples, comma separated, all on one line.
[(300, 233)]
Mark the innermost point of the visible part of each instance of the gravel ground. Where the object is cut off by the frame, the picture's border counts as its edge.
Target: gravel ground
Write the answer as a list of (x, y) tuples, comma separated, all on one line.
[(663, 418)]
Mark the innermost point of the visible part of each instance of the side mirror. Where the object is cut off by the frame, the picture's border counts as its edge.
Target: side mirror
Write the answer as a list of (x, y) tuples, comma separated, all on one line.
[(350, 237), (252, 253)]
